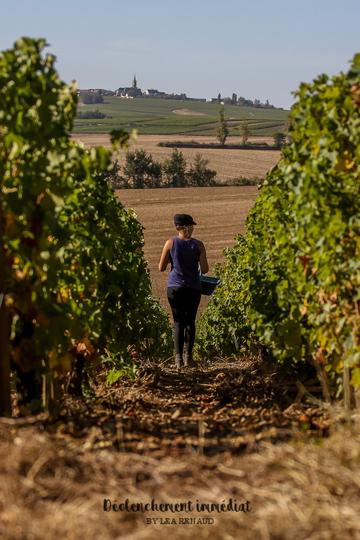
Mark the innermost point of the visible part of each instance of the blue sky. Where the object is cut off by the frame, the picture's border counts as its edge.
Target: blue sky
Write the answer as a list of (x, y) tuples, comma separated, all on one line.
[(256, 48)]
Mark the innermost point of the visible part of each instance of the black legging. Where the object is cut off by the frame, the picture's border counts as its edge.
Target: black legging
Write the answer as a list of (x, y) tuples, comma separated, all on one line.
[(184, 303)]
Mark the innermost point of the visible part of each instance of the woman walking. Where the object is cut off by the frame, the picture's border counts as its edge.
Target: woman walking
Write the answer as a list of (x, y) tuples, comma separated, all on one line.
[(183, 288)]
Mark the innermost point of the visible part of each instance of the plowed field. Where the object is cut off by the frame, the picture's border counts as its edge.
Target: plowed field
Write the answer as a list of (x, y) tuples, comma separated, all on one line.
[(220, 213), (227, 163)]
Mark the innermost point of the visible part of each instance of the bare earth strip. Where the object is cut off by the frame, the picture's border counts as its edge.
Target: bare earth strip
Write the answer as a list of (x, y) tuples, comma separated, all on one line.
[(219, 211), (228, 163), (187, 112)]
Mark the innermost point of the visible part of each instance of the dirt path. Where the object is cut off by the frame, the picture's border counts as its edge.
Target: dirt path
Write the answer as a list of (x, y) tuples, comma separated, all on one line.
[(236, 434), (224, 407), (208, 409)]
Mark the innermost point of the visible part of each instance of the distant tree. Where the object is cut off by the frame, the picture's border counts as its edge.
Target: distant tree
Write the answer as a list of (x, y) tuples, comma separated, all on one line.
[(91, 98), (279, 139), (234, 99), (141, 170), (114, 176), (219, 97), (245, 132), (155, 175), (199, 174), (174, 170), (222, 131)]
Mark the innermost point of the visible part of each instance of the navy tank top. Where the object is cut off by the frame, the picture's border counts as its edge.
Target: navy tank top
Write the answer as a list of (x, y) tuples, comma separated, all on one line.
[(184, 258)]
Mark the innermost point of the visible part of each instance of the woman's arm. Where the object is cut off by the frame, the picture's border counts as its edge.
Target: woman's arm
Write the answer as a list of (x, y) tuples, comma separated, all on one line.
[(165, 256), (203, 260)]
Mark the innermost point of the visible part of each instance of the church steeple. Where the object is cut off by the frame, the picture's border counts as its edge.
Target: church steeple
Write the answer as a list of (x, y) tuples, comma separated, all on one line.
[(134, 82)]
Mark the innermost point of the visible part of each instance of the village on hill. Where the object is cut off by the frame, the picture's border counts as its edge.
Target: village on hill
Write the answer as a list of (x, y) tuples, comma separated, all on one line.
[(133, 91)]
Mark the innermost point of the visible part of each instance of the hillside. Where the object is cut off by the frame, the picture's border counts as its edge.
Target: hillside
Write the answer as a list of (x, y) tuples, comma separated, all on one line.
[(169, 116)]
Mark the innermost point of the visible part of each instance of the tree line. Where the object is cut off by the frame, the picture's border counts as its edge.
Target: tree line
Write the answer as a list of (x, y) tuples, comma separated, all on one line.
[(90, 114), (142, 171)]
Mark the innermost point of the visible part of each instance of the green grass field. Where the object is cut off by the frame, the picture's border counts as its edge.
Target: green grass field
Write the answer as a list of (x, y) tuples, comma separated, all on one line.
[(156, 117)]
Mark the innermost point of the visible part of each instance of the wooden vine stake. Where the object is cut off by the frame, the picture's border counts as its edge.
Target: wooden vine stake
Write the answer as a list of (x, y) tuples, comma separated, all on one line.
[(50, 391), (347, 388), (5, 397)]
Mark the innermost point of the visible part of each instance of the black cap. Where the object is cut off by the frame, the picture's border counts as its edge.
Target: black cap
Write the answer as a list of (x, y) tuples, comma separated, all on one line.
[(183, 219)]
